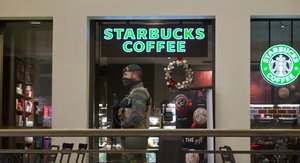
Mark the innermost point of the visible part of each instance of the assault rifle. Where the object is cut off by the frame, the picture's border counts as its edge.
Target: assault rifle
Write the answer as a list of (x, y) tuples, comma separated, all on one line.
[(116, 122)]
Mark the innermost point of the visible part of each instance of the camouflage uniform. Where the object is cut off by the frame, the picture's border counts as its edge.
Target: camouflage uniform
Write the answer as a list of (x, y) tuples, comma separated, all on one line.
[(135, 108), (134, 114)]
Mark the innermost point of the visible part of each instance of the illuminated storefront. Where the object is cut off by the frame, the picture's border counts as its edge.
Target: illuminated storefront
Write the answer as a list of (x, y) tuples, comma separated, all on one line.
[(237, 48), (176, 57)]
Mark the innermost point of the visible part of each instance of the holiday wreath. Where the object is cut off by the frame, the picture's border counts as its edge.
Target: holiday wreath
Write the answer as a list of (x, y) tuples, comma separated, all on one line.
[(189, 74)]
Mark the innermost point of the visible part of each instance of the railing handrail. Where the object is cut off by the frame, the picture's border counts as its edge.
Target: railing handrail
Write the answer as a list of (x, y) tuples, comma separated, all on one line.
[(48, 151), (148, 132)]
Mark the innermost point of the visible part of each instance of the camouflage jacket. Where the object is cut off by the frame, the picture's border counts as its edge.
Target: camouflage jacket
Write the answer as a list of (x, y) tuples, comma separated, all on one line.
[(135, 107)]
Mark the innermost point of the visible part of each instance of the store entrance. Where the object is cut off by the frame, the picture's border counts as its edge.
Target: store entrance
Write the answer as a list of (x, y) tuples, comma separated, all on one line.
[(25, 80), (179, 86)]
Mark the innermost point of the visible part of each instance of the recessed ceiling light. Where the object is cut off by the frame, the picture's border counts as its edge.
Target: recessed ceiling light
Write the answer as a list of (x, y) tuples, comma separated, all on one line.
[(35, 23), (281, 25)]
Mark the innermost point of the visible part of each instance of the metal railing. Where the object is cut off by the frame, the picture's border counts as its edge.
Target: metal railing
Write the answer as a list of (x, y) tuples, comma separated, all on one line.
[(151, 133), (148, 132)]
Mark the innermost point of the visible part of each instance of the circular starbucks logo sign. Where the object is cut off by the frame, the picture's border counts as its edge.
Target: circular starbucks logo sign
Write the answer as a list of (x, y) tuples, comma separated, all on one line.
[(280, 65)]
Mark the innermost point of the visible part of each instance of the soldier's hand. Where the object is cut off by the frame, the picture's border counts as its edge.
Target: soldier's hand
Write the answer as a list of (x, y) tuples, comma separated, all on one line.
[(121, 113)]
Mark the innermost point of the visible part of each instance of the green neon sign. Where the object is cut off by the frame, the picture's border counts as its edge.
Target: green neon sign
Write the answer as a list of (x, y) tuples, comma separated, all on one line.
[(280, 65), (153, 40)]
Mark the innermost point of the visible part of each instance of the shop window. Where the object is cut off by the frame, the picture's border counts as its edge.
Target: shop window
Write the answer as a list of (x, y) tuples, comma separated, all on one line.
[(265, 34), (26, 89), (275, 87), (154, 45), (280, 32)]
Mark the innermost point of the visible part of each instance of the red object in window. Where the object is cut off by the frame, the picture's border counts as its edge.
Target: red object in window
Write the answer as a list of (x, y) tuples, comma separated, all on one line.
[(254, 147), (260, 90), (190, 102), (200, 93), (202, 79), (172, 83), (46, 109)]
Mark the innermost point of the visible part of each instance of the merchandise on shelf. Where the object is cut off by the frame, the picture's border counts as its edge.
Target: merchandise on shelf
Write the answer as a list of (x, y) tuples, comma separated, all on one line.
[(19, 89), (20, 120), (28, 91), (28, 106), (24, 93)]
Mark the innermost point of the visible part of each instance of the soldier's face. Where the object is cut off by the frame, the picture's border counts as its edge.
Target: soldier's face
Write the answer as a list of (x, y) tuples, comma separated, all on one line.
[(128, 75)]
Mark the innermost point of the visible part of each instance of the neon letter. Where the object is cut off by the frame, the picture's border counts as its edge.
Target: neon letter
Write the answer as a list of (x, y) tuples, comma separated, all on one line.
[(200, 33), (170, 46), (136, 48), (166, 35), (129, 33), (188, 33), (150, 45), (119, 32), (153, 33), (175, 33), (180, 46), (160, 45), (125, 46), (141, 33), (107, 34)]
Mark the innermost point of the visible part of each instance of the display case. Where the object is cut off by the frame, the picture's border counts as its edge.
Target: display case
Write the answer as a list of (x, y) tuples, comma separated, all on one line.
[(153, 143), (155, 122), (103, 124), (103, 121), (24, 94), (169, 116)]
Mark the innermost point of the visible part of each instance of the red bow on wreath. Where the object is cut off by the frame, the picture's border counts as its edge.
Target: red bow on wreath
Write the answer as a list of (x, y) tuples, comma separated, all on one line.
[(171, 83)]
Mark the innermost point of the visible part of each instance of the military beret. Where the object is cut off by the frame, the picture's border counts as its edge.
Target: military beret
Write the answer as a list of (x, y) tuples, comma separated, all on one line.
[(132, 67)]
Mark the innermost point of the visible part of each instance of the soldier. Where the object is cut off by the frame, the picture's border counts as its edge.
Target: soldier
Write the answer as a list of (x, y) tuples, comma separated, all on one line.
[(134, 111)]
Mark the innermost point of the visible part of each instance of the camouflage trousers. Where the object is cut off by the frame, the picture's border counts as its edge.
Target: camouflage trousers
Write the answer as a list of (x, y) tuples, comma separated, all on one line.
[(134, 143)]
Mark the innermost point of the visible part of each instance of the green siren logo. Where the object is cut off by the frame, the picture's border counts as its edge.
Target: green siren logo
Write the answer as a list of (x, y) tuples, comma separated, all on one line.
[(280, 65)]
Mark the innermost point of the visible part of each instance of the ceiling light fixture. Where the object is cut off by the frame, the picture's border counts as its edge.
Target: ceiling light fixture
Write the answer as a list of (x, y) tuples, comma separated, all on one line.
[(281, 25)]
